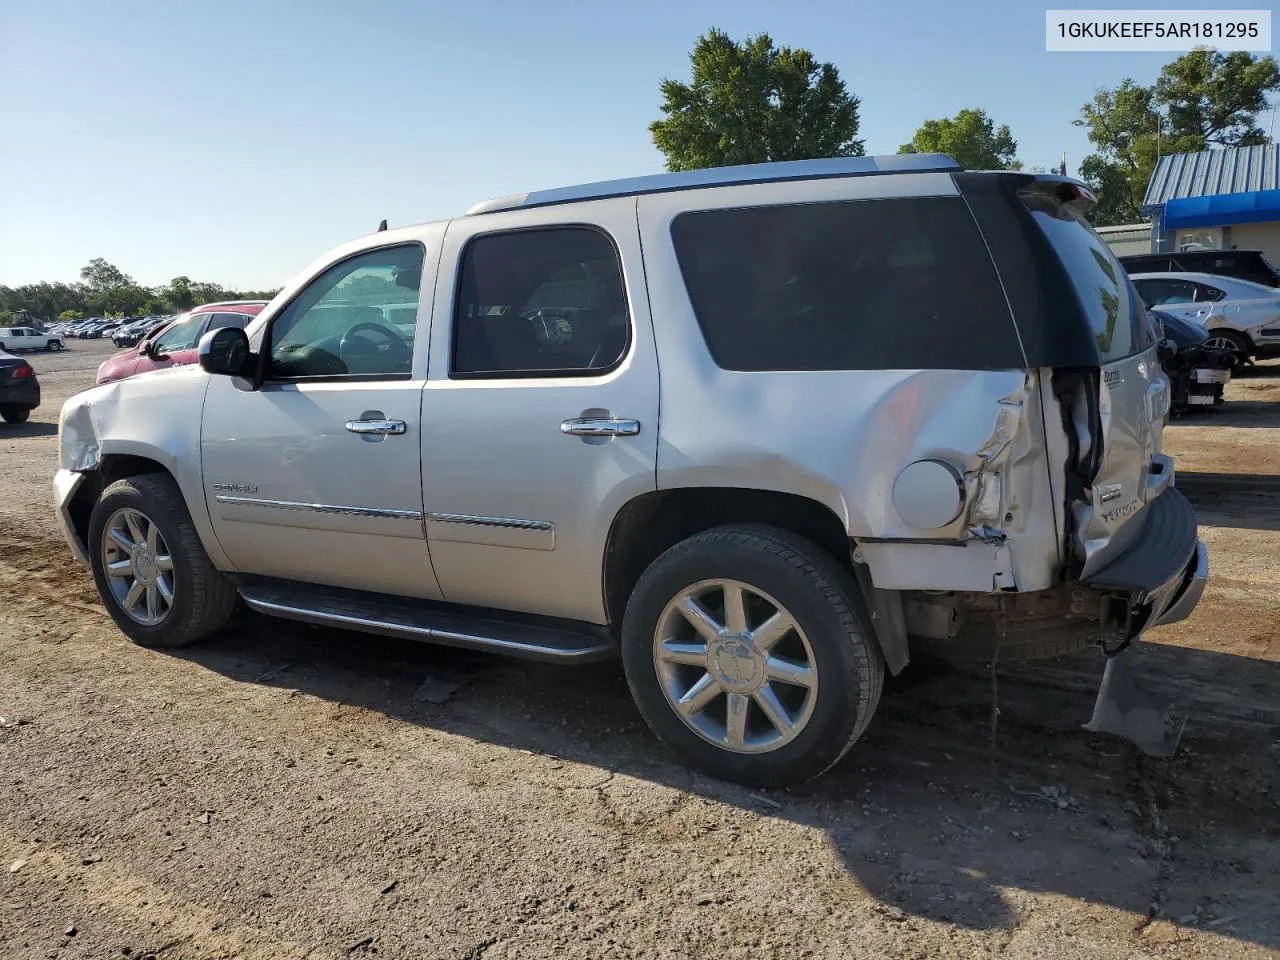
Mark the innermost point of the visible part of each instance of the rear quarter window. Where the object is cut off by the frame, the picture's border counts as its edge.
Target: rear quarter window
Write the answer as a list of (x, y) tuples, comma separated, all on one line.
[(1117, 317), (849, 285)]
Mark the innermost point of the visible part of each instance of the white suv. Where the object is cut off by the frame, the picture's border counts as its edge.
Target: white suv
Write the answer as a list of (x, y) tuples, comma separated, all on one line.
[(28, 338), (765, 431)]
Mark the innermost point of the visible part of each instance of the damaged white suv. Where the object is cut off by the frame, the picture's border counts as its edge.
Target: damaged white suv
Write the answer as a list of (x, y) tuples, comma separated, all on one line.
[(765, 431)]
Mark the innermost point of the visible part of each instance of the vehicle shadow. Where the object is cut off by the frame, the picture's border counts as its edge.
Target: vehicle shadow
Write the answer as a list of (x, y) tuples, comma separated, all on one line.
[(920, 813), (1233, 413), (31, 428), (1250, 371), (1244, 500)]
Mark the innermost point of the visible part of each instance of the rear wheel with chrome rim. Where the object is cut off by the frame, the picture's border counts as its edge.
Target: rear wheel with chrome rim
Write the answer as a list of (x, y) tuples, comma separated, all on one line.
[(1230, 341), (151, 570), (747, 652)]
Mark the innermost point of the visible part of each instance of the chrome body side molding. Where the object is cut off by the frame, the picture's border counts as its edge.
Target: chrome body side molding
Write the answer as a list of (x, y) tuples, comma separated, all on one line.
[(332, 508)]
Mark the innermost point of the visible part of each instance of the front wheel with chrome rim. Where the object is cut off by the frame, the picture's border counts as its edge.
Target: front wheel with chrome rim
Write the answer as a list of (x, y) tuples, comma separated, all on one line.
[(139, 566), (150, 567), (747, 652)]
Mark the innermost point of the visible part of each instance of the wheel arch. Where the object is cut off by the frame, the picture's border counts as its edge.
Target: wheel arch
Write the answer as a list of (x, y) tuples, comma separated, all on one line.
[(120, 465), (652, 522), (1232, 332)]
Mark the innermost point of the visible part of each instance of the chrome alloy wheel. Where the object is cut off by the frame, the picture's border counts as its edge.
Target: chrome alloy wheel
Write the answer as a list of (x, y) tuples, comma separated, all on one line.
[(1222, 343), (138, 565), (735, 666)]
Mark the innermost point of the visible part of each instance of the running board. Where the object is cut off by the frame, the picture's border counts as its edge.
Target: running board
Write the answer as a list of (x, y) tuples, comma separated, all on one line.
[(518, 635)]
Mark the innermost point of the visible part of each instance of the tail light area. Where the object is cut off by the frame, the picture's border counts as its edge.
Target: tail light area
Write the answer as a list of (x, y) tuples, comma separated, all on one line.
[(1078, 392), (21, 371)]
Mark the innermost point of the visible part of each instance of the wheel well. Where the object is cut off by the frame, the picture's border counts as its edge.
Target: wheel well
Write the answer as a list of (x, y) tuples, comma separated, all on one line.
[(653, 522), (112, 468), (1233, 333)]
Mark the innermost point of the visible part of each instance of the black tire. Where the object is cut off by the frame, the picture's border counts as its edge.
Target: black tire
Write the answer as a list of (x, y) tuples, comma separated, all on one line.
[(821, 596), (204, 598), (12, 413), (53, 345)]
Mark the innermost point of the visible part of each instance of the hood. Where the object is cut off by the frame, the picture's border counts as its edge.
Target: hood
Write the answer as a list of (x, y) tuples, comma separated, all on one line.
[(1185, 333)]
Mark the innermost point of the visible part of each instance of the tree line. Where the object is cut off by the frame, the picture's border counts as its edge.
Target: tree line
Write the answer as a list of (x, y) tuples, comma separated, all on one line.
[(105, 290), (754, 101)]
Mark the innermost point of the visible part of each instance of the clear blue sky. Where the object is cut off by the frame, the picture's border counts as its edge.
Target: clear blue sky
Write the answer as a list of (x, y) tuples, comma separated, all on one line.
[(236, 140)]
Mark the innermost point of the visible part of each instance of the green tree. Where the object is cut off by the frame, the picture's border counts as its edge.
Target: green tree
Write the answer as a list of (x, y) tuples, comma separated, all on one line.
[(754, 102), (209, 292), (970, 138), (178, 294), (100, 276), (6, 317), (1217, 97), (1201, 100), (66, 316)]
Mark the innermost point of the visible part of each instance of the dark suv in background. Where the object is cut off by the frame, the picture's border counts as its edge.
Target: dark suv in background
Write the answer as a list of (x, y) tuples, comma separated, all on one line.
[(1245, 264)]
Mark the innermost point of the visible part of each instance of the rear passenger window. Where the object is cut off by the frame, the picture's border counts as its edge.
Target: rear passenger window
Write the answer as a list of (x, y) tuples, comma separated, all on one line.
[(849, 285), (1206, 293), (547, 302), (1162, 292), (220, 320)]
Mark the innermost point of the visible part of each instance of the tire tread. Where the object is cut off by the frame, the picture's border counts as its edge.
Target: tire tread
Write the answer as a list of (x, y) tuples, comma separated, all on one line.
[(213, 595), (834, 586)]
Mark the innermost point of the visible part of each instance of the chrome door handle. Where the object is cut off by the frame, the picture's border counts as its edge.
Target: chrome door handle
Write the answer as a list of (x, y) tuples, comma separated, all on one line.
[(383, 427), (600, 427)]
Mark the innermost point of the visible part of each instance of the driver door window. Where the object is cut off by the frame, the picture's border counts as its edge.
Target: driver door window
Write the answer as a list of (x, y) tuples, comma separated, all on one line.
[(355, 320), (181, 336)]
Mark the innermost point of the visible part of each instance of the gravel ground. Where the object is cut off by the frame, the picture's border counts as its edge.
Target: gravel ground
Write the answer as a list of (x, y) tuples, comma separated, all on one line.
[(280, 791)]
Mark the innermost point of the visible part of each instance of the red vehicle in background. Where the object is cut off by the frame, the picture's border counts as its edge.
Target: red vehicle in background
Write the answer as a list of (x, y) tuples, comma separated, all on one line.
[(174, 344)]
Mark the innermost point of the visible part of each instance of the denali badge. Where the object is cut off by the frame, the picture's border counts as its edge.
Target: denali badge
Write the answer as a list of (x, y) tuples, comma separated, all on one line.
[(236, 487), (1111, 377), (1108, 493)]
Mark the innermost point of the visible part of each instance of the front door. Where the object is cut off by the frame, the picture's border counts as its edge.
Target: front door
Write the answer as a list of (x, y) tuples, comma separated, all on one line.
[(540, 415), (315, 475)]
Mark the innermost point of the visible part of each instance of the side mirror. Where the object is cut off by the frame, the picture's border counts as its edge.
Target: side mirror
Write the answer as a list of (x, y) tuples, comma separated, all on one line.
[(1167, 350), (225, 351)]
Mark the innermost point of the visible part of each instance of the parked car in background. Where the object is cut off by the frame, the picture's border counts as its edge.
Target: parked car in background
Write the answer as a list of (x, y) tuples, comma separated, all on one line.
[(28, 338), (131, 333), (1198, 373), (19, 388), (1241, 264), (174, 344), (96, 330), (1240, 315), (674, 418)]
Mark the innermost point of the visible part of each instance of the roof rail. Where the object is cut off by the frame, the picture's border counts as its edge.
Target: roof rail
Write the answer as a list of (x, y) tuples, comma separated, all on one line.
[(725, 176)]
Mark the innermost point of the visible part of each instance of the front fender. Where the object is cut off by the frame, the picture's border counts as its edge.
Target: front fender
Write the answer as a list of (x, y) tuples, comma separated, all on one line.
[(154, 417)]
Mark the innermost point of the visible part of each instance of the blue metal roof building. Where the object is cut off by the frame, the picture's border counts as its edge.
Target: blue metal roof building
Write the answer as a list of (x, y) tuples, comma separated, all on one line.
[(1226, 198)]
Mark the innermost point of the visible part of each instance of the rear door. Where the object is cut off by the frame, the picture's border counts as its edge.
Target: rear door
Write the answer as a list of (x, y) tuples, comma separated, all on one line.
[(1133, 392), (540, 413)]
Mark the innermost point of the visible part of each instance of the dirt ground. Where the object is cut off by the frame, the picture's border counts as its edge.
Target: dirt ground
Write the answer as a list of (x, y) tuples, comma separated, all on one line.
[(279, 792)]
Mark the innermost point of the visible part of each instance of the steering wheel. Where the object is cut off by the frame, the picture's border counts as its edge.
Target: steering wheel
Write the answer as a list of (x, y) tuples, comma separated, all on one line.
[(355, 348)]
